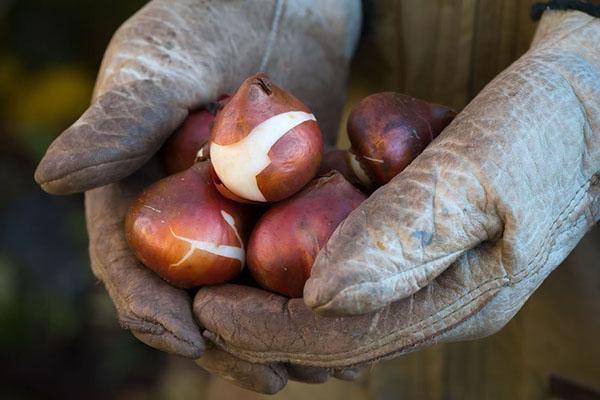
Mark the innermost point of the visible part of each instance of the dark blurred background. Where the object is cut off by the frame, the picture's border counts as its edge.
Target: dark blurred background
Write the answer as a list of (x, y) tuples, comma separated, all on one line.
[(58, 333)]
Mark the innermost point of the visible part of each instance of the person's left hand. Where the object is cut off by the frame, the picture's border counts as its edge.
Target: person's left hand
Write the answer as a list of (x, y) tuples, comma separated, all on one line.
[(452, 247)]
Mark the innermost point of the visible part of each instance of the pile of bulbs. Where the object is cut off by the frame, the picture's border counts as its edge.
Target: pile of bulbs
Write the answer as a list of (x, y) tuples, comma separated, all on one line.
[(201, 224)]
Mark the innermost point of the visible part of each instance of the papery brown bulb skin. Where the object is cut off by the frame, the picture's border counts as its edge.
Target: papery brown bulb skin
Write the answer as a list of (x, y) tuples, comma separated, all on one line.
[(287, 238), (389, 130), (265, 143), (184, 230), (181, 149)]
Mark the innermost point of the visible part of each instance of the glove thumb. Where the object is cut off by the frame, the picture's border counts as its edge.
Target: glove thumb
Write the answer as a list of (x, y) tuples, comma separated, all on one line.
[(405, 235), (115, 136)]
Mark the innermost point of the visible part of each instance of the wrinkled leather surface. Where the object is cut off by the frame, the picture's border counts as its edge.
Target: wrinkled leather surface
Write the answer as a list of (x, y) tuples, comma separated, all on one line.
[(452, 247), (156, 312), (262, 378), (171, 57)]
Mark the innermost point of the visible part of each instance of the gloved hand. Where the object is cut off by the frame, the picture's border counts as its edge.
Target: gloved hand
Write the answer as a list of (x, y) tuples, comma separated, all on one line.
[(452, 247), (169, 58)]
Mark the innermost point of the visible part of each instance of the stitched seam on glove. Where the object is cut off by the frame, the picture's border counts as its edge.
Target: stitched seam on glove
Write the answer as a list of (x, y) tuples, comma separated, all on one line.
[(275, 23), (550, 238)]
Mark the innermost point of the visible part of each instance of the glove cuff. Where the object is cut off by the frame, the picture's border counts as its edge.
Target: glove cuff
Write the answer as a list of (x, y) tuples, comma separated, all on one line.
[(589, 7)]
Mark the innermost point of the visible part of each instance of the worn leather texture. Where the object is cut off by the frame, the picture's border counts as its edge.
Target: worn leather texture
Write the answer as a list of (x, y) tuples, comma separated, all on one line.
[(452, 247), (167, 59)]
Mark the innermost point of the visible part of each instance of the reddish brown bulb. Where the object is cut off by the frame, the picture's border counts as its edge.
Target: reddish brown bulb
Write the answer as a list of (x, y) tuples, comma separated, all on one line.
[(287, 238), (388, 131), (186, 232), (265, 144), (184, 147)]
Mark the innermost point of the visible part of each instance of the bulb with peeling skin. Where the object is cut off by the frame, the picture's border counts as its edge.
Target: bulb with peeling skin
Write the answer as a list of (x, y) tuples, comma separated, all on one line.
[(265, 144), (287, 238), (388, 131), (186, 232), (359, 173)]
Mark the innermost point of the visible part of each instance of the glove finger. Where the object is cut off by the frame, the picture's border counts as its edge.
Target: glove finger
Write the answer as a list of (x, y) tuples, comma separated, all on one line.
[(119, 133), (146, 85), (262, 327), (261, 378), (156, 312)]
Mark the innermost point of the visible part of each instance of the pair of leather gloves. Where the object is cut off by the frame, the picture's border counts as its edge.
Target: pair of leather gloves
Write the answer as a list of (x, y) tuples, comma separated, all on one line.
[(448, 250)]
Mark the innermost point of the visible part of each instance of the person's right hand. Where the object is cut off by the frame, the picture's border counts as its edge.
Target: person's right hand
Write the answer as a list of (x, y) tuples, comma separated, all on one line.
[(169, 58)]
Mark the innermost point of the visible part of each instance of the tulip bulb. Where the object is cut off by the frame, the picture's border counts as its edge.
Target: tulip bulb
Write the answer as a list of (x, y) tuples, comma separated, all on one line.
[(388, 131), (265, 144), (184, 230), (287, 238), (186, 144)]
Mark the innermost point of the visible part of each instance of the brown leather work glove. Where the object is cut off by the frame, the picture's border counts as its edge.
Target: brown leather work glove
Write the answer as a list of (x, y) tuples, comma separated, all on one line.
[(169, 58), (452, 247)]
